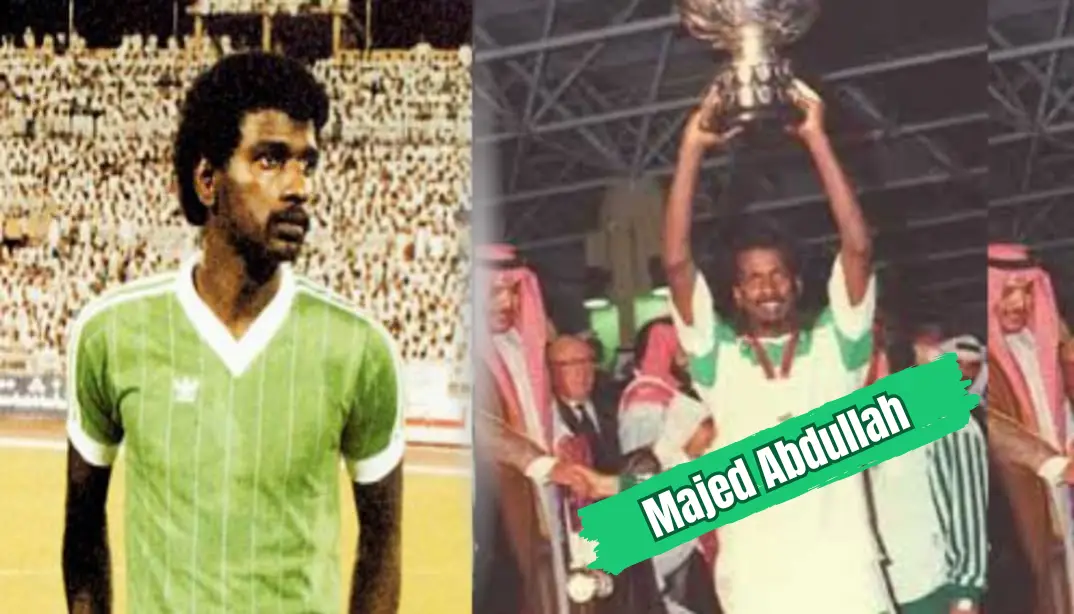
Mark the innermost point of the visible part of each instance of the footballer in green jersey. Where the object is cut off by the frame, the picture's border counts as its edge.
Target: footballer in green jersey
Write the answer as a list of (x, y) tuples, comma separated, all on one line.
[(235, 387)]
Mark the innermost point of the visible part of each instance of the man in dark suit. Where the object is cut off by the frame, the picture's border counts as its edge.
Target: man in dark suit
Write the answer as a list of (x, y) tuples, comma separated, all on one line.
[(588, 423), (583, 412)]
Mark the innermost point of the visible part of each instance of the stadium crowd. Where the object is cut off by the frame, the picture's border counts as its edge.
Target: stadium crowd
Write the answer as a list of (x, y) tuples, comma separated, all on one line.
[(206, 7), (87, 199)]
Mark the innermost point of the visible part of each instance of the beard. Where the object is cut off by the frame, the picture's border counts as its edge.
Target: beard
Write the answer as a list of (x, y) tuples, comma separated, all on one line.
[(262, 243), (263, 247), (253, 247)]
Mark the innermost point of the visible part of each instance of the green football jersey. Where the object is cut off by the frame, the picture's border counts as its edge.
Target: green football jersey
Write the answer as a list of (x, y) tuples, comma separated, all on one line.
[(232, 447)]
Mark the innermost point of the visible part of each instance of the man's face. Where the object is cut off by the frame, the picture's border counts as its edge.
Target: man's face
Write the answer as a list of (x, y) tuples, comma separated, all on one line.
[(503, 304), (1015, 304), (266, 185), (765, 289), (970, 369), (573, 368)]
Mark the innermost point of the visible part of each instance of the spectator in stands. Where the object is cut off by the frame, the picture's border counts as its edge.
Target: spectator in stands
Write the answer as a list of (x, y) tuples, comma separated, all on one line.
[(85, 135)]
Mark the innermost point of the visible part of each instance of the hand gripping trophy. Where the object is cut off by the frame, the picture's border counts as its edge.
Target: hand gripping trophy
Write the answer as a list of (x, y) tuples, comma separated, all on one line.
[(584, 585), (756, 86)]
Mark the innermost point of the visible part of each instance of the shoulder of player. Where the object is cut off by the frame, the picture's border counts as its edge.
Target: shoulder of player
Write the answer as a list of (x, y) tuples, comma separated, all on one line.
[(345, 313), (116, 297), (823, 323)]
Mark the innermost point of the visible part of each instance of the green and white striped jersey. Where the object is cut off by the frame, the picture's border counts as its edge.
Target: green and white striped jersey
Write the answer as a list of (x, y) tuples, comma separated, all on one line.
[(932, 506), (233, 446)]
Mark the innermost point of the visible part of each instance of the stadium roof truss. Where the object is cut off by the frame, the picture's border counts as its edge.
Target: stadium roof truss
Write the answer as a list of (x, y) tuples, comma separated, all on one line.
[(1031, 131), (572, 96)]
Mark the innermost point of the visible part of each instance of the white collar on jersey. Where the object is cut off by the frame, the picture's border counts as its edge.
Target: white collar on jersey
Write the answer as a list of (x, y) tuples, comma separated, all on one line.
[(237, 354)]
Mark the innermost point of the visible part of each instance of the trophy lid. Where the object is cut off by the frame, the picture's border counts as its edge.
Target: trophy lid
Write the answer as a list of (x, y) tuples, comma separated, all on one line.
[(721, 22)]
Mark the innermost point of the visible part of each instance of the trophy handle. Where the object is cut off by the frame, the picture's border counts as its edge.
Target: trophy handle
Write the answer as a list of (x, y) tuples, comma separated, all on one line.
[(757, 100)]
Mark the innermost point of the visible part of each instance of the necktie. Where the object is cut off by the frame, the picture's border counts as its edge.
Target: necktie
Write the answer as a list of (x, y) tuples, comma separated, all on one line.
[(585, 423)]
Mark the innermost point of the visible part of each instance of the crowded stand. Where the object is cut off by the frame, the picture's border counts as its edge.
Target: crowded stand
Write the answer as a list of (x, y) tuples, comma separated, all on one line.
[(223, 7), (87, 197)]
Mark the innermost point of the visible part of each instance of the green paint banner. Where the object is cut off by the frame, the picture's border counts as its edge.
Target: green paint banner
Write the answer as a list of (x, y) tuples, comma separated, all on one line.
[(895, 415)]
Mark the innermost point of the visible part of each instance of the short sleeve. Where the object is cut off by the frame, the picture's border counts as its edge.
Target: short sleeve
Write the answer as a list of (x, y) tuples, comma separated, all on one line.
[(852, 321), (699, 338), (93, 421), (373, 436), (852, 324)]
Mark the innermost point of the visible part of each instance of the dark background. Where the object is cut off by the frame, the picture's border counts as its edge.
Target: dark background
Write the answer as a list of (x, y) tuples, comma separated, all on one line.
[(907, 109), (396, 23)]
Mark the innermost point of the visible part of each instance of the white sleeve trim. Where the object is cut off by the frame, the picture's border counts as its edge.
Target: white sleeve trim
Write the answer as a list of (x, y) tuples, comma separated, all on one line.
[(374, 468), (1053, 468), (94, 452), (852, 321), (540, 469), (697, 339)]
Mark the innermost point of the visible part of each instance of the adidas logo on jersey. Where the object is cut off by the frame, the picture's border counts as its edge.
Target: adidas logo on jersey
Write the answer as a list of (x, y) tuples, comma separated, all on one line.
[(185, 389)]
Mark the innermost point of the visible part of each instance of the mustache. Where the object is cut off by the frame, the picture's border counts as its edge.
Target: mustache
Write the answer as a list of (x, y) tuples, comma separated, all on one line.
[(295, 215)]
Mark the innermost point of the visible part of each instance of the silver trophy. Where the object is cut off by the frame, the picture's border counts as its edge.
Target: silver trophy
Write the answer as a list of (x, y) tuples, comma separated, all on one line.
[(583, 584), (754, 86), (586, 585)]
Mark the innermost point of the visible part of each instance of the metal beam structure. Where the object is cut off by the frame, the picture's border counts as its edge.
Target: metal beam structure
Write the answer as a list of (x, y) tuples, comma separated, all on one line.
[(1042, 106), (634, 134), (1033, 94), (723, 161), (598, 35), (655, 120), (806, 199), (581, 109), (1011, 137), (1031, 197), (535, 85), (870, 109), (581, 65), (1027, 51), (679, 104)]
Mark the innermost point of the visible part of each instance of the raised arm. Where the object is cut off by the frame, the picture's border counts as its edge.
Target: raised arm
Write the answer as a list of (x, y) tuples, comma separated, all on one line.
[(677, 257), (855, 242), (87, 567), (377, 572)]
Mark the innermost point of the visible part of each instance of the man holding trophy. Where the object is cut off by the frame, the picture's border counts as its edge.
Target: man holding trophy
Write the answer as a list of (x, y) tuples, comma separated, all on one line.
[(768, 361), (755, 86)]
